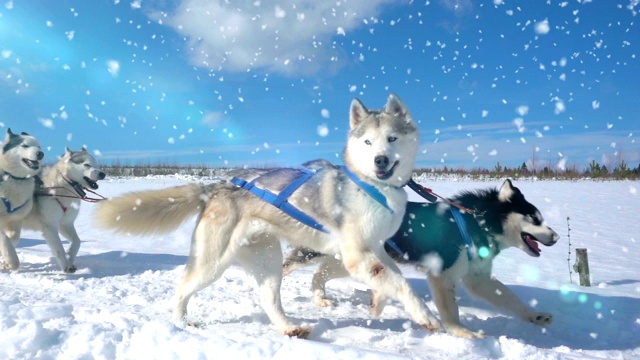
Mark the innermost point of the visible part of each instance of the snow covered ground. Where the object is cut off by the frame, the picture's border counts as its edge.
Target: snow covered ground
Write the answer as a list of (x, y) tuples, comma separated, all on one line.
[(119, 303)]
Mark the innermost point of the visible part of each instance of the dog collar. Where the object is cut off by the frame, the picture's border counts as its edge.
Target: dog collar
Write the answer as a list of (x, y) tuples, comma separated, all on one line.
[(15, 177), (368, 188)]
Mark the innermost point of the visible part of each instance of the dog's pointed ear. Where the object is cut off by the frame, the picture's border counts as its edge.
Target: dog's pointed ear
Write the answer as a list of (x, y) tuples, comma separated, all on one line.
[(8, 137), (506, 191), (395, 106), (67, 151), (24, 133), (357, 113), (83, 149)]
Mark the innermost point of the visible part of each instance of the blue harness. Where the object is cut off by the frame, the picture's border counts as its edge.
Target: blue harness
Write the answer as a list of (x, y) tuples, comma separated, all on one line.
[(281, 200), (10, 209), (6, 201), (462, 226)]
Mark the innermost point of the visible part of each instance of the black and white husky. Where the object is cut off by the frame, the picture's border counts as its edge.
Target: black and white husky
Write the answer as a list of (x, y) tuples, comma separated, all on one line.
[(19, 164), (57, 202), (451, 245)]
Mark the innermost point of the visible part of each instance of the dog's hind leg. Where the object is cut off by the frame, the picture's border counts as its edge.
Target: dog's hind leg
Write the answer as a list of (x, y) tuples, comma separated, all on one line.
[(300, 257), (210, 255), (262, 258), (331, 268)]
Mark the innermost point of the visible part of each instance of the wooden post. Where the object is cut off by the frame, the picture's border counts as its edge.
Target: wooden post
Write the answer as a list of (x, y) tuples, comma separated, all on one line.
[(582, 266)]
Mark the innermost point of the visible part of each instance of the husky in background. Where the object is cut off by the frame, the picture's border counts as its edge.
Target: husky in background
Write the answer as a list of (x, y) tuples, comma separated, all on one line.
[(19, 163), (57, 202), (354, 209), (431, 238)]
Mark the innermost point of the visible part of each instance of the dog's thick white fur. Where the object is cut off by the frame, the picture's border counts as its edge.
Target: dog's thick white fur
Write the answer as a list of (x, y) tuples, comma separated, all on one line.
[(19, 163), (57, 203), (234, 225)]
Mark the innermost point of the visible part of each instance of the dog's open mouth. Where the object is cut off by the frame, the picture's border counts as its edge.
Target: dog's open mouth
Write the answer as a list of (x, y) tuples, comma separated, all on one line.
[(31, 164), (92, 184), (384, 175), (531, 242)]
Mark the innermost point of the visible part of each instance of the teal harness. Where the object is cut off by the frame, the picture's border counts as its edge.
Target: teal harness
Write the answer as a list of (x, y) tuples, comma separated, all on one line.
[(425, 231)]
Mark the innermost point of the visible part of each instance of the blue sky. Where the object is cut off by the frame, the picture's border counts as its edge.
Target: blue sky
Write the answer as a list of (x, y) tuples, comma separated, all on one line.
[(265, 83)]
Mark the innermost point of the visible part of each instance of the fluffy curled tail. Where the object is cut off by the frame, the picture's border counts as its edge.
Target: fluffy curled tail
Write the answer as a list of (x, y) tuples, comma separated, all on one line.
[(153, 211)]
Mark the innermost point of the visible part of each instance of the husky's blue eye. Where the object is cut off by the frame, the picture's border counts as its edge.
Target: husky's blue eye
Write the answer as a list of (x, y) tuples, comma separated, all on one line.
[(368, 142), (392, 138)]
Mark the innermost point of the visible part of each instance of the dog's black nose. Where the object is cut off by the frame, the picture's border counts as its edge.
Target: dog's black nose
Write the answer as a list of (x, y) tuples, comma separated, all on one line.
[(381, 161), (40, 155), (101, 175)]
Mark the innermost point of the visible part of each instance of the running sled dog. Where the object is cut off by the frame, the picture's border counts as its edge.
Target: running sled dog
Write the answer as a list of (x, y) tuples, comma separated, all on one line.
[(344, 211), (19, 164), (56, 203), (452, 245)]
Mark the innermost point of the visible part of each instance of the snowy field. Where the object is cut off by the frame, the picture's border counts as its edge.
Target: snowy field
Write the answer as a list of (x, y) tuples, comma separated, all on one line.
[(119, 304)]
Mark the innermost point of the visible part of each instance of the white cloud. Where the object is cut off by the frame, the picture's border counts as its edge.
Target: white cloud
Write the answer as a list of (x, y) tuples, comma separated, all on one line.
[(212, 119), (237, 36)]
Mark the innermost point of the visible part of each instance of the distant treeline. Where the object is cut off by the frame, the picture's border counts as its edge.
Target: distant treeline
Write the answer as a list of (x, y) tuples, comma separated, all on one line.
[(594, 171)]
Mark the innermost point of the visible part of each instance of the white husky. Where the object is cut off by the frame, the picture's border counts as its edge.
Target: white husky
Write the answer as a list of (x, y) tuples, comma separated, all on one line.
[(19, 163), (347, 212), (57, 202)]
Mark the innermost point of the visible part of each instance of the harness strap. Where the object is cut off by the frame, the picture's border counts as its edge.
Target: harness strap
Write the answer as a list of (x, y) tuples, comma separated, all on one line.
[(368, 188), (281, 200), (462, 227), (64, 208), (10, 209)]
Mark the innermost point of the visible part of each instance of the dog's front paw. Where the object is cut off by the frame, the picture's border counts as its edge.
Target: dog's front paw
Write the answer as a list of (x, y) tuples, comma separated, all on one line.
[(70, 269), (300, 332), (432, 324), (463, 332), (7, 266), (540, 319), (324, 302)]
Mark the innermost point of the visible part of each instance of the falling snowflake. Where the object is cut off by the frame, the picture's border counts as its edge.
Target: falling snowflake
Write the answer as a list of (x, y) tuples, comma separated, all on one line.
[(542, 27)]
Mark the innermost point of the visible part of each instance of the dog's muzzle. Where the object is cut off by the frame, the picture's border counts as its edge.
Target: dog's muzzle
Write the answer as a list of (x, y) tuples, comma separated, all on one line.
[(32, 164), (382, 163), (93, 184)]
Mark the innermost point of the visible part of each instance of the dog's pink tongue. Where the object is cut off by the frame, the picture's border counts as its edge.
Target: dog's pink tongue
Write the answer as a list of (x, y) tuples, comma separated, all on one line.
[(533, 243)]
